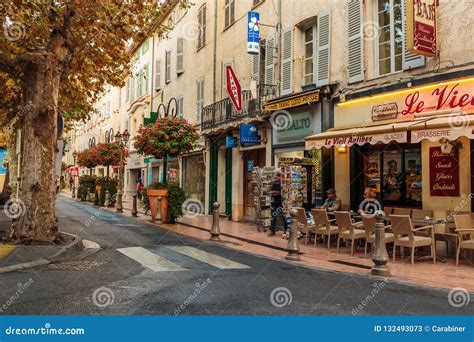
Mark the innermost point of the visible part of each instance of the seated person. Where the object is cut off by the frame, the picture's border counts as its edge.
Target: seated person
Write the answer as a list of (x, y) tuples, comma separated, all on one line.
[(332, 203), (369, 204)]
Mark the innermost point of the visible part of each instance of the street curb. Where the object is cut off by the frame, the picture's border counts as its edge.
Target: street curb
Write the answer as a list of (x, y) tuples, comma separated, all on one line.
[(74, 246)]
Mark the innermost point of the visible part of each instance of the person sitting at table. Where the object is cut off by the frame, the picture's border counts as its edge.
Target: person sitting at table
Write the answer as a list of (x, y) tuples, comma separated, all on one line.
[(369, 204), (332, 203)]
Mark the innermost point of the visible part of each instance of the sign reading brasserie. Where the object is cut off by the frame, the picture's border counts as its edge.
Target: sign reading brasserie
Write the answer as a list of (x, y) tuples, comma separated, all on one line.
[(385, 111), (444, 173), (421, 26)]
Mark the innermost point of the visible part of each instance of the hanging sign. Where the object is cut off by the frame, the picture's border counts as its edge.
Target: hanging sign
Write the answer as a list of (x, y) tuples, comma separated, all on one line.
[(230, 141), (444, 173), (421, 27), (249, 135), (233, 88), (253, 33)]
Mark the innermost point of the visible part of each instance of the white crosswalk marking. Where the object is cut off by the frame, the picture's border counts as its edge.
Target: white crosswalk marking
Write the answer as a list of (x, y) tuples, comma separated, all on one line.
[(152, 261), (207, 258)]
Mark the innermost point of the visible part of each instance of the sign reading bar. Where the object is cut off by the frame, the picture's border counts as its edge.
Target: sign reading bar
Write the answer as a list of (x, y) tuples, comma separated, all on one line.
[(444, 173), (385, 111), (421, 27), (293, 101)]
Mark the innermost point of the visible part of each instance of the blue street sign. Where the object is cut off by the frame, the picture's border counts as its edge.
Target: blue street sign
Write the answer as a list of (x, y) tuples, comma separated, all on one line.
[(253, 33), (230, 141), (249, 135), (3, 154), (249, 165)]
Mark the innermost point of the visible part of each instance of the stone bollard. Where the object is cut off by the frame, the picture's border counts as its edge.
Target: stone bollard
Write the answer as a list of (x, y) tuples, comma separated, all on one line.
[(380, 255), (293, 244), (134, 206), (107, 199), (119, 202), (158, 214), (215, 230)]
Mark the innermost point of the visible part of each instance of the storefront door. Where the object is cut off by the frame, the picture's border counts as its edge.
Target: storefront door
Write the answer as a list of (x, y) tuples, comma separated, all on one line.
[(253, 158)]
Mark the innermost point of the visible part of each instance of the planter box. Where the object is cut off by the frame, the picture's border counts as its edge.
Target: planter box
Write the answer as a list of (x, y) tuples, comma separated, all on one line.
[(153, 195)]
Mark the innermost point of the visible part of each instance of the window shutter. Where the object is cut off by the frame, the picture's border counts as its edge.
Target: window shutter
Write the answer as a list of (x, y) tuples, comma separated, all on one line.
[(157, 74), (256, 67), (410, 60), (179, 56), (140, 82), (147, 77), (355, 67), (132, 90), (168, 66), (127, 94), (269, 68), (324, 40), (287, 62)]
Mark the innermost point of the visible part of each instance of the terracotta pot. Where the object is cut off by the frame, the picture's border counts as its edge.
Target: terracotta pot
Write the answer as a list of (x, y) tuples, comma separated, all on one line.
[(153, 195), (98, 189)]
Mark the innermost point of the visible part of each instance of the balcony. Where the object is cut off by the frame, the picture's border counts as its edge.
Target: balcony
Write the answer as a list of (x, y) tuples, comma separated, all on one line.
[(223, 112)]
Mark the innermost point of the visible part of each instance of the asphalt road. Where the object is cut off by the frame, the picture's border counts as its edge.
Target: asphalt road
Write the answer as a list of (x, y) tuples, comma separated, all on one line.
[(158, 272)]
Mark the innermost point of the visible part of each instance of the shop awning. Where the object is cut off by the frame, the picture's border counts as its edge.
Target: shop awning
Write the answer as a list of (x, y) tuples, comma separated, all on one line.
[(432, 128), (450, 127), (371, 133)]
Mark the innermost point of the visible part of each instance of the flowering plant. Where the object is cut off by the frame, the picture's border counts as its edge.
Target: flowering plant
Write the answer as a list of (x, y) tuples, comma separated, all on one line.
[(167, 136), (86, 159), (107, 154)]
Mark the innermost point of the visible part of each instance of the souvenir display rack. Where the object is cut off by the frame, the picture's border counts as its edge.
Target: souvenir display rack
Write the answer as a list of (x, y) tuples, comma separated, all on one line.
[(294, 191), (262, 179)]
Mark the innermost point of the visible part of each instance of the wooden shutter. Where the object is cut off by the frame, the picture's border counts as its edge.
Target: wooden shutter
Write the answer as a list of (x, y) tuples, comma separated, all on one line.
[(168, 66), (179, 55), (147, 79), (127, 94), (410, 60), (140, 82), (324, 41), (287, 62), (269, 67), (355, 64), (256, 67), (157, 74)]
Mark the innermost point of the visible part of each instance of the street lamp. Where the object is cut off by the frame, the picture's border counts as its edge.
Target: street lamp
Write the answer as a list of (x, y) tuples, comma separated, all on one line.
[(122, 140)]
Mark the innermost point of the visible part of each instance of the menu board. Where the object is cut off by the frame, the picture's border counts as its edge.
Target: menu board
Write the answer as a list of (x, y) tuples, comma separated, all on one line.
[(444, 173)]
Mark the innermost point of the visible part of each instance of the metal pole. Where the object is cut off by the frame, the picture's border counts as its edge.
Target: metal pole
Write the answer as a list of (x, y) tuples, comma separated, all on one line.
[(380, 256), (74, 190), (293, 245), (158, 214), (165, 167), (119, 194), (134, 206), (215, 229)]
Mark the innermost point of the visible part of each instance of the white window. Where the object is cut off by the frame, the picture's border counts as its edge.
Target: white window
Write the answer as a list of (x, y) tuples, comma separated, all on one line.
[(229, 10), (200, 98), (127, 94), (168, 66), (202, 27), (180, 109), (120, 97), (158, 74), (390, 36), (179, 56), (309, 54)]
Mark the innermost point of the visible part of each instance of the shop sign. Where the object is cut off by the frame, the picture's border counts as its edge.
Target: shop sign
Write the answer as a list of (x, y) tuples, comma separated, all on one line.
[(230, 141), (3, 154), (299, 127), (233, 88), (253, 33), (444, 173), (293, 101), (358, 139), (385, 111), (249, 135), (453, 96), (74, 171), (435, 134), (421, 27)]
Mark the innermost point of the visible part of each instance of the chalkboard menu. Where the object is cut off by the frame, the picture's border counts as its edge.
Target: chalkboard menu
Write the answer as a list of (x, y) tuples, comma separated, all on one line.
[(444, 173)]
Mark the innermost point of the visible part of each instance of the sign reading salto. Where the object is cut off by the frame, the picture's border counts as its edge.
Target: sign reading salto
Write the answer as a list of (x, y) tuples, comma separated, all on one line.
[(253, 33), (421, 27)]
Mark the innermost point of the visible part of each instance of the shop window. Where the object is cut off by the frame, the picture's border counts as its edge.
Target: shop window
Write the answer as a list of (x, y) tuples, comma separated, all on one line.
[(394, 174)]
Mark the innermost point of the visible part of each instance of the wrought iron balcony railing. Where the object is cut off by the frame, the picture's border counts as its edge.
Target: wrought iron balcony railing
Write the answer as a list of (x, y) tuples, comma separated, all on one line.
[(223, 112)]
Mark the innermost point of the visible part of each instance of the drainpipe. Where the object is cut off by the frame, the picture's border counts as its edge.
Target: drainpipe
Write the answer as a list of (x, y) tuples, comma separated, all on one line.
[(214, 58)]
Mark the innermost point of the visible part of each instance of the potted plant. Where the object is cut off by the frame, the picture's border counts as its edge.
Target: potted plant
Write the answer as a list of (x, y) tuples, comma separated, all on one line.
[(109, 185), (86, 186), (173, 198)]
